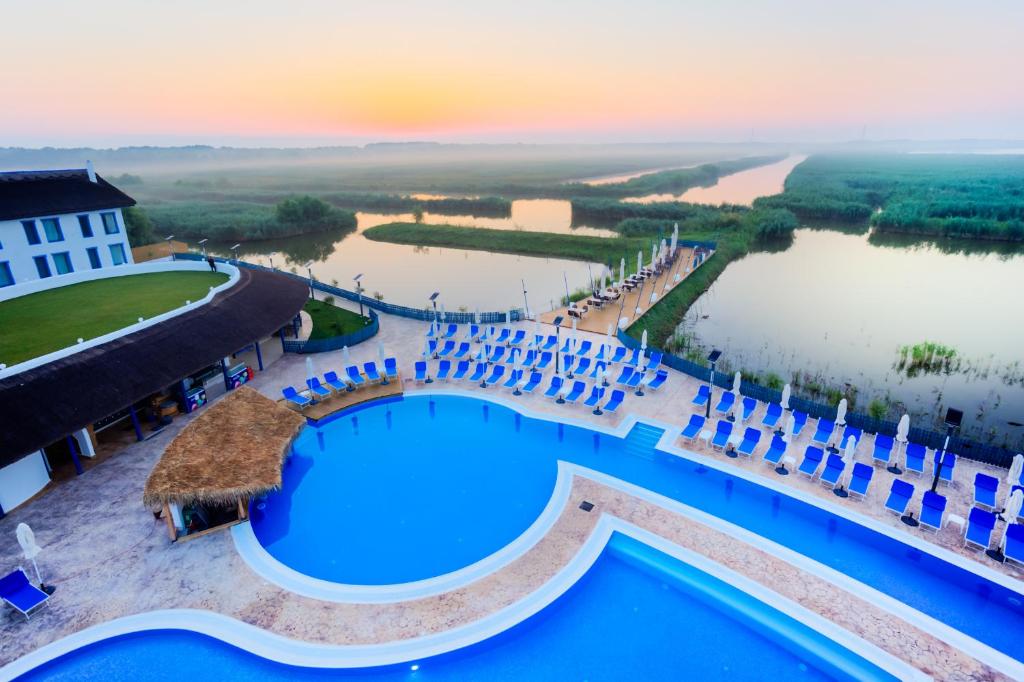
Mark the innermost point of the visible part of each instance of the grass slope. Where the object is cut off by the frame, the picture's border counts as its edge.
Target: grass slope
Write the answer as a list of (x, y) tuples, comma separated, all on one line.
[(329, 320)]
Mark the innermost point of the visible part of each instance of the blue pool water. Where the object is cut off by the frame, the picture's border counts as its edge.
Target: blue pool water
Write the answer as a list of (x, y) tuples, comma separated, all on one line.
[(637, 614), (473, 475)]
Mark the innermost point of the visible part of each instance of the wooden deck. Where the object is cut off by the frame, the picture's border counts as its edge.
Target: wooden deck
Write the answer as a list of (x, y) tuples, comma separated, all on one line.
[(346, 399)]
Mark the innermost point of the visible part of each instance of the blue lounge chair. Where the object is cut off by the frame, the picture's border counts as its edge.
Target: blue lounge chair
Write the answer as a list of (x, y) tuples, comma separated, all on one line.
[(479, 372), (584, 348), (582, 365), (860, 479), (948, 460), (497, 372), (536, 342), (726, 402), (513, 378), (316, 389), (899, 497), (776, 451), (655, 360), (601, 352), (352, 372), (749, 405), (555, 387), (446, 349), (431, 332), (834, 467), (370, 370), (461, 370), (634, 359), (497, 354), (722, 432), (518, 338), (883, 449), (421, 371), (21, 595), (444, 368), (544, 361), (634, 381), (772, 416), (332, 380), (294, 397), (596, 393), (462, 352), (503, 336), (453, 329), (985, 488), (566, 346), (624, 376), (848, 433), (614, 402), (598, 367), (812, 460), (751, 437), (567, 363), (915, 457), (618, 356), (824, 431), (530, 359), (391, 368), (799, 421), (578, 389), (933, 507), (549, 343), (654, 381), (703, 396), (1014, 547), (474, 332), (533, 383), (431, 349), (694, 427), (979, 528)]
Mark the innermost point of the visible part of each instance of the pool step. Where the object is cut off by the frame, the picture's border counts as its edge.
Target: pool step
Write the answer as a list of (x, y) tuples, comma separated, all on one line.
[(641, 439)]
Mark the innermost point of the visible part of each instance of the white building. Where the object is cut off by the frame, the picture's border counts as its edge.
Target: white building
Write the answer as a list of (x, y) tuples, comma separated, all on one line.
[(60, 221)]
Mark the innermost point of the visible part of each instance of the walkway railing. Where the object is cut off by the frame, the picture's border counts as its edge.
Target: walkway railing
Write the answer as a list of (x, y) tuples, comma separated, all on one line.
[(335, 342), (989, 454)]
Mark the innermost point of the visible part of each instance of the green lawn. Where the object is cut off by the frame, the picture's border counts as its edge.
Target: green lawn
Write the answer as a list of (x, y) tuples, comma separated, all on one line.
[(329, 320), (41, 323)]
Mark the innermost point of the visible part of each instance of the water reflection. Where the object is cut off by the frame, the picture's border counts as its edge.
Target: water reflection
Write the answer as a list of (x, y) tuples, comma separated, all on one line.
[(738, 188), (837, 307), (532, 215)]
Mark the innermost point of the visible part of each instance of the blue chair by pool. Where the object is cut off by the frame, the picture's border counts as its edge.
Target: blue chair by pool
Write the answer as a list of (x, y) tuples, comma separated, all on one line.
[(601, 352), (567, 362), (578, 389), (722, 432), (624, 376), (497, 354), (619, 355), (294, 397), (444, 368), (1014, 547), (694, 427), (391, 368), (980, 523), (431, 349), (461, 370), (748, 407), (462, 352), (703, 395), (352, 372), (533, 383), (654, 381), (518, 338), (834, 467), (420, 369), (514, 377), (497, 372), (503, 336), (751, 437), (370, 370), (915, 457), (431, 332), (446, 349), (948, 460), (726, 402), (453, 329), (933, 508), (985, 489), (899, 497), (536, 342), (772, 416), (566, 346), (582, 365), (555, 387), (823, 432), (21, 595), (513, 355), (550, 343), (799, 421), (860, 479), (530, 359), (599, 365), (544, 361), (655, 360), (634, 359), (848, 433), (474, 332), (776, 451), (883, 449), (316, 389), (634, 381), (479, 372), (332, 380), (812, 460), (615, 401), (584, 348), (596, 393)]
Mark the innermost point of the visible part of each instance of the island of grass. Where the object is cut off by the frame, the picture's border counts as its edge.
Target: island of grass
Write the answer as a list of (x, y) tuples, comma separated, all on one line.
[(330, 321), (48, 321)]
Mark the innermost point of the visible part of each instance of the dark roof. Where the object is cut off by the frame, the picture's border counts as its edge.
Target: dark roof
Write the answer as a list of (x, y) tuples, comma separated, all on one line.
[(32, 194), (43, 404)]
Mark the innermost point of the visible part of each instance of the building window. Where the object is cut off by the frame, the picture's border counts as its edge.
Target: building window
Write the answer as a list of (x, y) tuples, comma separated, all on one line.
[(52, 228), (6, 278), (31, 233), (94, 257), (42, 267), (110, 223), (62, 263), (117, 254), (83, 222)]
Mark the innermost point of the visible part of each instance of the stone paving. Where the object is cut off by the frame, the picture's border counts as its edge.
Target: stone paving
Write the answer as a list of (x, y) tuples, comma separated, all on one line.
[(111, 558)]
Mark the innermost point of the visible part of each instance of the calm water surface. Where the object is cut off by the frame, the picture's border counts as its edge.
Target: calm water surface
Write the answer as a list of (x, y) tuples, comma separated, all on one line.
[(841, 305), (738, 188)]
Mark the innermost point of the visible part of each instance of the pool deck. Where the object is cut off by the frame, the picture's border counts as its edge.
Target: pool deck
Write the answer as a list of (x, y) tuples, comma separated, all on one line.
[(109, 557)]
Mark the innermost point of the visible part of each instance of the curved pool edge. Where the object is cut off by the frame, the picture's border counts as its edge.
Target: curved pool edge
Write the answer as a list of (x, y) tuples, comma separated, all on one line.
[(294, 652)]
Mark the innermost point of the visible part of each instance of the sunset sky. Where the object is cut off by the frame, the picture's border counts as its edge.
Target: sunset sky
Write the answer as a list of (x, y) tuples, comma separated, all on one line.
[(319, 71)]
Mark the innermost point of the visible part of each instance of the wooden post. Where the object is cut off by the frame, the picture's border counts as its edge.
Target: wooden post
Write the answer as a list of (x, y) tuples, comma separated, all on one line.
[(172, 532), (243, 508)]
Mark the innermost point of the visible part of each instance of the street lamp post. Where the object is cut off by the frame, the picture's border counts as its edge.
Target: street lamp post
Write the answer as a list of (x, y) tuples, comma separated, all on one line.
[(713, 359), (558, 328), (170, 249), (309, 272), (202, 243), (234, 253), (953, 419), (359, 292)]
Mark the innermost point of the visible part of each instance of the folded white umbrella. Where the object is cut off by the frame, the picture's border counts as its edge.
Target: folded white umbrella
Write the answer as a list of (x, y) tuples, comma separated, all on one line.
[(622, 271), (675, 239), (639, 261), (310, 371), (1013, 507), (737, 382), (347, 357), (27, 540), (1013, 475), (786, 391), (787, 435), (903, 428), (643, 342), (841, 412), (380, 354)]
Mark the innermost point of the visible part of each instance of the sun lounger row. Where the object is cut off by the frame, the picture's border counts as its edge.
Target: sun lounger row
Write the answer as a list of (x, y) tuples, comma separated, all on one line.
[(351, 380)]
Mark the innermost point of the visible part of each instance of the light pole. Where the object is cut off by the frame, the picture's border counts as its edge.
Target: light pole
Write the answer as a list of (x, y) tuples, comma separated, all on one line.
[(359, 292), (713, 359), (558, 327), (953, 419), (234, 253), (271, 258), (526, 303), (309, 271), (433, 299), (170, 249), (202, 243)]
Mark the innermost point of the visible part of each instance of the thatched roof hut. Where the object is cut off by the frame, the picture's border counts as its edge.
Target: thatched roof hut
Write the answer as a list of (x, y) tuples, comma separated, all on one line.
[(233, 451)]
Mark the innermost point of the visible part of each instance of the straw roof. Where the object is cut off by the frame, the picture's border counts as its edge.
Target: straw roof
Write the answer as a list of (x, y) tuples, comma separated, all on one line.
[(234, 449)]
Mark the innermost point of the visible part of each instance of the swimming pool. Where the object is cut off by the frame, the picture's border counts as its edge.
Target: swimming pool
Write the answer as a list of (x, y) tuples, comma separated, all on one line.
[(637, 612), (470, 511)]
